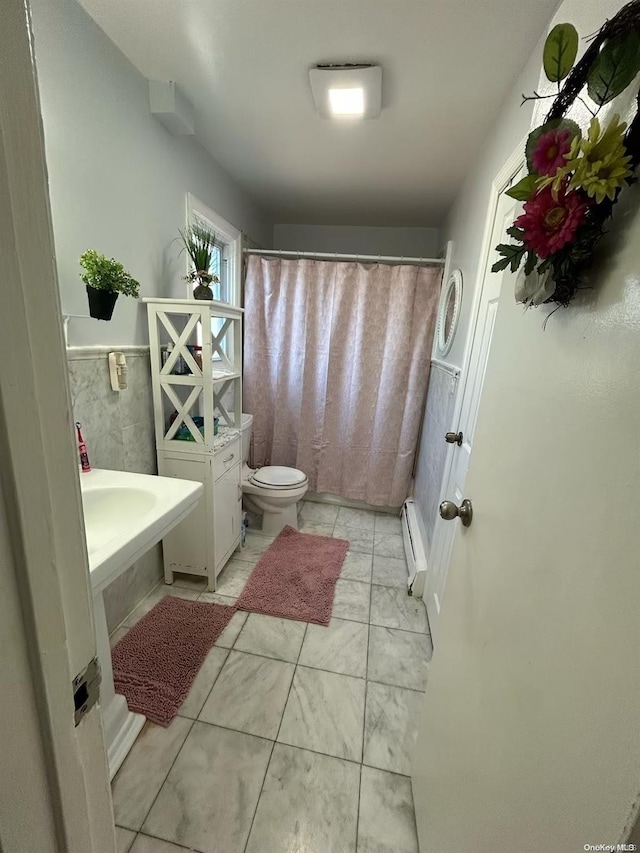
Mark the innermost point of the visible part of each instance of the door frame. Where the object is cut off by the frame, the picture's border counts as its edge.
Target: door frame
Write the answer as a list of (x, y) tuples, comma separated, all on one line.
[(41, 501), (443, 534)]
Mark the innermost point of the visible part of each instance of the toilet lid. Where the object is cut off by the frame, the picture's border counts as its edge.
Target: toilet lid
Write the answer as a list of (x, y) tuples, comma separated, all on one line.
[(278, 477)]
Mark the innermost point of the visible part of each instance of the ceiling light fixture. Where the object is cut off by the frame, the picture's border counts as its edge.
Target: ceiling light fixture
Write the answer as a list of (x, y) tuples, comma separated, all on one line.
[(347, 91), (347, 102)]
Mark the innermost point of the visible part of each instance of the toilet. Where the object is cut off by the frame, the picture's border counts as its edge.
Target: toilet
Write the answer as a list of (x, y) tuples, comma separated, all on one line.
[(273, 490)]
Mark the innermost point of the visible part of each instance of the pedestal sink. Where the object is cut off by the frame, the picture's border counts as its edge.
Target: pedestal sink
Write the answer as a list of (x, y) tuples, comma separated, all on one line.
[(124, 515)]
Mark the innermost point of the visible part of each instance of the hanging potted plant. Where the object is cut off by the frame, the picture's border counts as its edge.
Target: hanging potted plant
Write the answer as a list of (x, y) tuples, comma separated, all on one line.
[(105, 279), (199, 243)]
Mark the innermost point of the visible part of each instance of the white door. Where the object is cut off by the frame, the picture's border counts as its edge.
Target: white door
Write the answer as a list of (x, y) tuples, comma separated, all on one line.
[(459, 455), (529, 733), (54, 783)]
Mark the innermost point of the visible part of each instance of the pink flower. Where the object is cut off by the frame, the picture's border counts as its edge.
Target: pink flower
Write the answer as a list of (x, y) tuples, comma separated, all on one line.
[(550, 221), (549, 152)]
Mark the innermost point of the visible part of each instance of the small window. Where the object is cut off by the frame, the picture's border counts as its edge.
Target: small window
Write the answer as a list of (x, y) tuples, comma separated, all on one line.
[(227, 259), (226, 262), (219, 263)]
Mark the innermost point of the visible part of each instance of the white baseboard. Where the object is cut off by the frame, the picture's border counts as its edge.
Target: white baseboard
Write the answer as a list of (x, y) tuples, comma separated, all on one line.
[(414, 548)]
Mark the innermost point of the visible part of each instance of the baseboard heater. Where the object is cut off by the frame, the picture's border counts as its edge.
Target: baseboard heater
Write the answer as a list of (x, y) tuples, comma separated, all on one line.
[(414, 549)]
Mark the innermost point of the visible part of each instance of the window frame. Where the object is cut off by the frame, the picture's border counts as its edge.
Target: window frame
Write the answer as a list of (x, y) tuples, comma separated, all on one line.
[(228, 236)]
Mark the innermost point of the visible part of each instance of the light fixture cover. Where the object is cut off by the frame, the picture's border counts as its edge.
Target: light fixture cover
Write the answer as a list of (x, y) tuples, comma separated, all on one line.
[(347, 91)]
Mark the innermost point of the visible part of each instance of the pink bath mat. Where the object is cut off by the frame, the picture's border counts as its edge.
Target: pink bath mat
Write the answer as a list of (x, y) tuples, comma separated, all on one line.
[(156, 661), (296, 577)]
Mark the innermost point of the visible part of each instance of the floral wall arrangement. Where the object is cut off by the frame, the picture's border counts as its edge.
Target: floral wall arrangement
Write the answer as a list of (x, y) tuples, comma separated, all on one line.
[(574, 179)]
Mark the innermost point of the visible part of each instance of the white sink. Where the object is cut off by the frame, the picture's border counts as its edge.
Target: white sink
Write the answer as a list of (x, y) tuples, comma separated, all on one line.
[(124, 515)]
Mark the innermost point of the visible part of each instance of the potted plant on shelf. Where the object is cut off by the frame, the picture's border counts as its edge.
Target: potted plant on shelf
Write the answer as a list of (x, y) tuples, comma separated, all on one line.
[(105, 279), (199, 243)]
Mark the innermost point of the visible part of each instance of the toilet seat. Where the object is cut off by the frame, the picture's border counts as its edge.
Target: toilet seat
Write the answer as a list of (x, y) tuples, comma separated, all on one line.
[(278, 477)]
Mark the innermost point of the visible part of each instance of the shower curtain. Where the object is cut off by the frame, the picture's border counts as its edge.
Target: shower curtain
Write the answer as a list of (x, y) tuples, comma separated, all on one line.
[(336, 368)]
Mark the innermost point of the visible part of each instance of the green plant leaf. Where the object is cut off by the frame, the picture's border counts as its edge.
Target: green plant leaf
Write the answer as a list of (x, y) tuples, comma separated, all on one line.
[(198, 241), (532, 260), (502, 264), (104, 273), (614, 68), (512, 257), (534, 136), (560, 51), (524, 189)]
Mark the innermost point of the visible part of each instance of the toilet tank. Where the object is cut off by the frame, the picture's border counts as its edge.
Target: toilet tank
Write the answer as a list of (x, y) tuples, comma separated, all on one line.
[(247, 421)]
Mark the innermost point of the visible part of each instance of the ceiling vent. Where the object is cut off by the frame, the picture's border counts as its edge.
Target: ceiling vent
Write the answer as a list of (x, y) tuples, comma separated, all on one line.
[(347, 91)]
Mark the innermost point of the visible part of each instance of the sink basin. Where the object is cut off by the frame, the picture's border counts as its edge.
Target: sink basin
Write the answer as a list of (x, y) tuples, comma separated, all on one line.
[(107, 512), (125, 514)]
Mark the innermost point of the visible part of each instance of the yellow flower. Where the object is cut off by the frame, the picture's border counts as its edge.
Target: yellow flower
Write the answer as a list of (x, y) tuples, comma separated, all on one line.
[(597, 163)]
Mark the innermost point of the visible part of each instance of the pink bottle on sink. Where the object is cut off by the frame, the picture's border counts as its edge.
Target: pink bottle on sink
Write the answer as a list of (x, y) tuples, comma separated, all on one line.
[(82, 450)]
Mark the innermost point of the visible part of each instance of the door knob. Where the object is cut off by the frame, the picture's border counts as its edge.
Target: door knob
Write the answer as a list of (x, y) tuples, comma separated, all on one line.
[(449, 511), (453, 438)]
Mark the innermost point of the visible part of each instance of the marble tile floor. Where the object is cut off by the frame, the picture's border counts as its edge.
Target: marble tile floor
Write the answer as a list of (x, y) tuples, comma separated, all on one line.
[(293, 736)]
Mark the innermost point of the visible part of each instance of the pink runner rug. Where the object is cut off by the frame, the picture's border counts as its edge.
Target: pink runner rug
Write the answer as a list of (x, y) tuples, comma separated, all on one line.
[(296, 577), (156, 661)]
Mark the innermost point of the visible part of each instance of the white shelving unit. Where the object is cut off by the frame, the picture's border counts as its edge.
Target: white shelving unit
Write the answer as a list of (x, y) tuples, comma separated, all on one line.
[(196, 370)]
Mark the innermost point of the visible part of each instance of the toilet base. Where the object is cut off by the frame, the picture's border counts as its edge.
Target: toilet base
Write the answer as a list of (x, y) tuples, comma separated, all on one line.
[(274, 519)]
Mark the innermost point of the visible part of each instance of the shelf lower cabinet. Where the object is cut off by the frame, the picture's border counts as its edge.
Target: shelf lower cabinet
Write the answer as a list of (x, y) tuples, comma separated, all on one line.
[(206, 539)]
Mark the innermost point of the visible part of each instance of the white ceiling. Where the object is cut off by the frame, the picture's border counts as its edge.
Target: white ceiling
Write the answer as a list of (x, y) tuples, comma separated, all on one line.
[(447, 65)]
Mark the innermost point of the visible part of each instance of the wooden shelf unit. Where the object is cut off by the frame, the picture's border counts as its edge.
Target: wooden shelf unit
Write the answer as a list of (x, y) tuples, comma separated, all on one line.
[(206, 341)]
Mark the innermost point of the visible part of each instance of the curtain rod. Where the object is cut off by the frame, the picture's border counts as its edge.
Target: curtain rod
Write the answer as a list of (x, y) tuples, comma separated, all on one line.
[(336, 256)]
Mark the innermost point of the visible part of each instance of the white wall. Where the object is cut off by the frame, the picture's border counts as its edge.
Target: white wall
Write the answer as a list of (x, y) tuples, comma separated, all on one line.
[(466, 221), (118, 183), (465, 227), (118, 179), (358, 240)]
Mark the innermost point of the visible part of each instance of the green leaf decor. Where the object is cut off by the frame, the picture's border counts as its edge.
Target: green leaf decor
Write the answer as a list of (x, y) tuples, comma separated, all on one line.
[(615, 67), (560, 51), (524, 189)]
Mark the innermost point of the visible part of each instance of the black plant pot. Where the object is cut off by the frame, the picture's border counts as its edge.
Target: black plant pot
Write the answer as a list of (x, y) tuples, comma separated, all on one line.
[(101, 302)]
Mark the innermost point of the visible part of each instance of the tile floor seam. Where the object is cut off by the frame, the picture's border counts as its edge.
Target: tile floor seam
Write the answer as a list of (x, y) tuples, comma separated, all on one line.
[(388, 684), (426, 633), (393, 628), (325, 754), (264, 779), (314, 668), (227, 729), (384, 770), (310, 749), (404, 630), (255, 811), (226, 658), (364, 718), (165, 841), (161, 786), (258, 655)]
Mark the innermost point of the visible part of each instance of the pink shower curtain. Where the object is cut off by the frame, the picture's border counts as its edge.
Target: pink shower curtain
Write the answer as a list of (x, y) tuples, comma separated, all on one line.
[(336, 368)]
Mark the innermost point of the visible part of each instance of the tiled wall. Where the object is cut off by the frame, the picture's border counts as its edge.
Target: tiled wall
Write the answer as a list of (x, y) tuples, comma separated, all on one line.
[(119, 433), (433, 448)]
